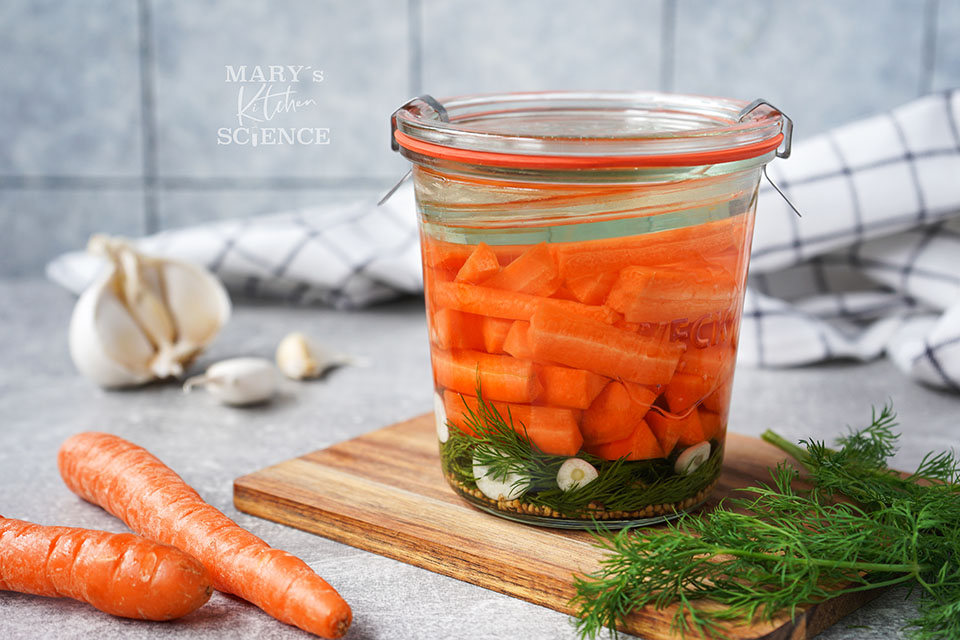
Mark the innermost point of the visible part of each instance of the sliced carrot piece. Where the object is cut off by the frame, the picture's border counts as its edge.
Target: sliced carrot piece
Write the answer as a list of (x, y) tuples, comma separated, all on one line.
[(609, 417), (534, 272), (494, 333), (582, 343), (512, 305), (431, 276), (593, 287), (712, 424), (456, 410), (674, 246), (453, 255), (732, 260), (442, 254), (719, 400), (566, 387), (666, 430), (615, 412), (517, 342), (481, 265), (687, 429), (657, 294), (457, 330), (709, 362), (641, 444), (686, 389), (555, 431), (501, 377)]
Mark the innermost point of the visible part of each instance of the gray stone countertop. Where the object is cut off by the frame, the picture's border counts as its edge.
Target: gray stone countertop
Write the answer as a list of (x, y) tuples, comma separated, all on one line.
[(43, 401)]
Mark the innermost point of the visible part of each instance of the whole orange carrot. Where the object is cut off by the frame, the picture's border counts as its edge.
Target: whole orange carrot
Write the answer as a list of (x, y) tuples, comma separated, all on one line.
[(154, 501), (119, 573)]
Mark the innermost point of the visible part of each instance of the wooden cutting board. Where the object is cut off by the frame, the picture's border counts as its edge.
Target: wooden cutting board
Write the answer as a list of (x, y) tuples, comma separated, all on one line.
[(384, 492)]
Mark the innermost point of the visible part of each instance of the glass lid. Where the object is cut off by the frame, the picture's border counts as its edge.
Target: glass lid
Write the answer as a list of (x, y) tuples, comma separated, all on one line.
[(588, 129)]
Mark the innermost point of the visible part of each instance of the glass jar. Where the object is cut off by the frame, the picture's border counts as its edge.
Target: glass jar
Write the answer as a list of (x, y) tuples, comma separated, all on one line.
[(584, 261)]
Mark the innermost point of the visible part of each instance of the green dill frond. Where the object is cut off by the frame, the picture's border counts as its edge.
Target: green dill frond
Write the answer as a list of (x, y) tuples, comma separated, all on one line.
[(777, 548)]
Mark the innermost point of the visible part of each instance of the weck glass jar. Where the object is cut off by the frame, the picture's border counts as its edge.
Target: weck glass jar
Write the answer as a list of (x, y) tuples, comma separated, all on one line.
[(584, 260)]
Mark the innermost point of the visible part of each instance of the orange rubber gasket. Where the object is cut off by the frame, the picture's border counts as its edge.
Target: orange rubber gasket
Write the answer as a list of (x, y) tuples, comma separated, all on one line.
[(496, 159)]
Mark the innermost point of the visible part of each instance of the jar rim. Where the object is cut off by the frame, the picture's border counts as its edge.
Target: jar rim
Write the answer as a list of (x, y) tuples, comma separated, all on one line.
[(579, 129)]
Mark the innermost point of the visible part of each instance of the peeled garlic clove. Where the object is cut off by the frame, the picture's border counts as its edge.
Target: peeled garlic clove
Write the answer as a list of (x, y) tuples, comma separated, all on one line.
[(691, 459), (299, 357), (440, 417), (510, 488), (145, 318), (575, 472), (238, 381)]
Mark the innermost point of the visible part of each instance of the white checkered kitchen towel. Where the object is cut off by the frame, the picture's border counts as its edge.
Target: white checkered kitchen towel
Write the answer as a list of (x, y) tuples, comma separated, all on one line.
[(872, 268)]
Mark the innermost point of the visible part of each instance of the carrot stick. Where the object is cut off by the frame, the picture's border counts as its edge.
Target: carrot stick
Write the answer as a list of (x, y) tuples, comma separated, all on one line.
[(555, 431), (674, 429), (566, 387), (516, 342), (719, 400), (512, 305), (687, 389), (119, 573), (534, 272), (501, 377), (582, 343), (710, 362), (656, 294), (155, 502), (674, 246), (481, 264), (666, 430), (495, 332), (641, 444), (615, 412), (592, 288), (711, 423), (451, 255), (453, 403), (457, 330)]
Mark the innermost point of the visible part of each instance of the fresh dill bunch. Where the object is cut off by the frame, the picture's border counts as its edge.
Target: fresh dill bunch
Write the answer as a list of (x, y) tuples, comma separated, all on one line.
[(780, 548), (859, 471)]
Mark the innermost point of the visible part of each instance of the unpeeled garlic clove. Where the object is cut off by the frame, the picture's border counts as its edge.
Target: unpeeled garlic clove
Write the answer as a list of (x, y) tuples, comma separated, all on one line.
[(145, 318), (300, 357), (238, 381)]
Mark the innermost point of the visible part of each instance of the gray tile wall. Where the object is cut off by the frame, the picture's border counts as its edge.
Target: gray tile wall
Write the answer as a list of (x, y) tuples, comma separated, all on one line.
[(110, 109)]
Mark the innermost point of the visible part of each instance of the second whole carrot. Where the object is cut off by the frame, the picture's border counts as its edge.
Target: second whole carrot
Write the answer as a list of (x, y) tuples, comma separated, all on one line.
[(119, 573), (132, 484)]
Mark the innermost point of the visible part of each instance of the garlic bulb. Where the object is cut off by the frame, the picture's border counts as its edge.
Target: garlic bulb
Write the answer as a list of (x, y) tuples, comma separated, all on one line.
[(238, 381), (299, 357), (144, 318)]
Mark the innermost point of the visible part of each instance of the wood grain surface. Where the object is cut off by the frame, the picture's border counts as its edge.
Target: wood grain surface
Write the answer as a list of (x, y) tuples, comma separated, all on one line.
[(384, 492)]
